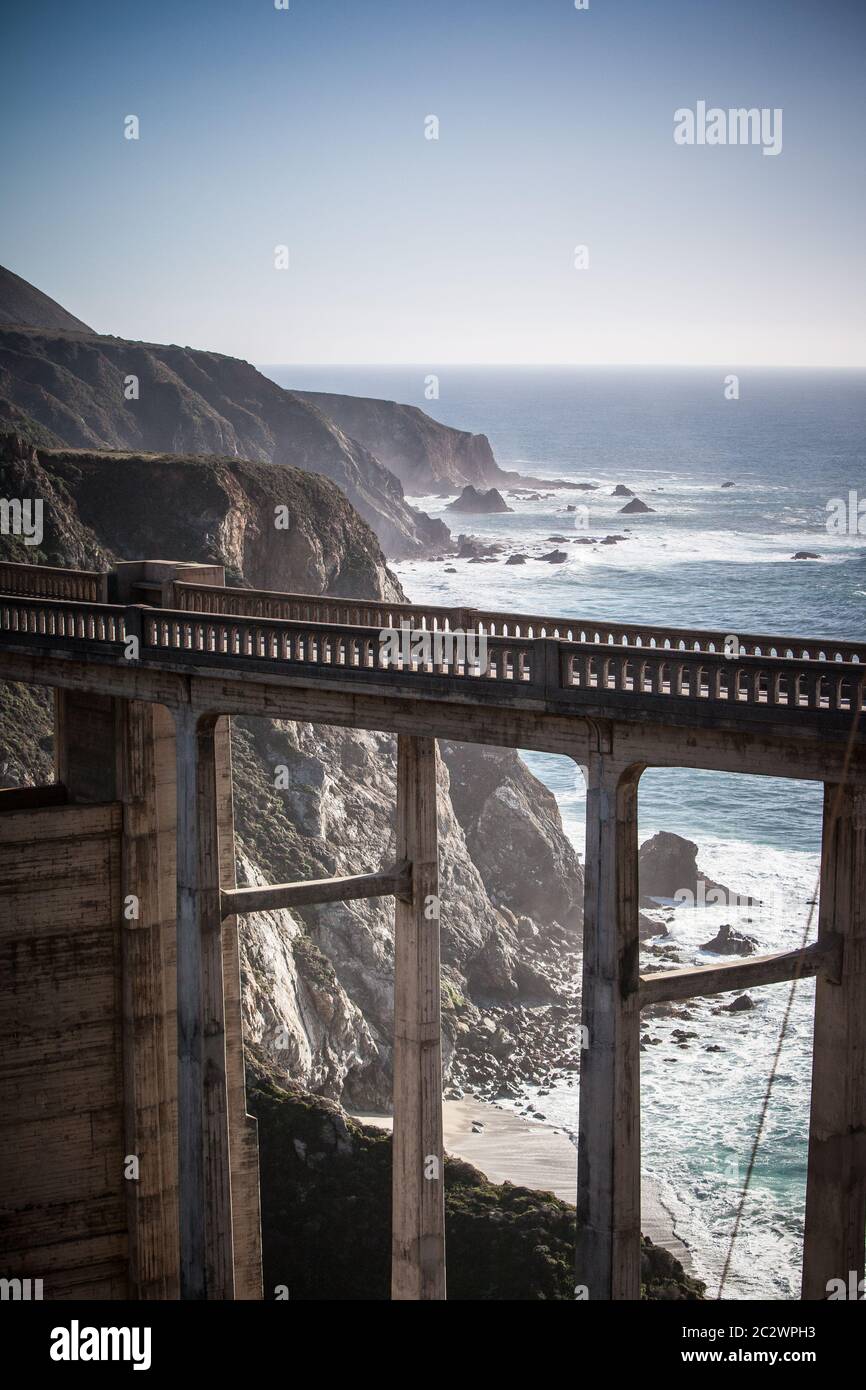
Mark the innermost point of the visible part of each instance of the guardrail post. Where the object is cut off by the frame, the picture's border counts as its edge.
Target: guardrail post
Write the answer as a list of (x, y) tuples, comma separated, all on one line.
[(133, 623), (546, 665)]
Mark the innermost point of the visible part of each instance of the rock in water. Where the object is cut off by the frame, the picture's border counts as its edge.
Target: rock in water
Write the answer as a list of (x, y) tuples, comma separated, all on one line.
[(647, 928), (554, 557), (668, 868), (471, 500), (622, 491), (728, 942), (634, 506), (805, 555), (471, 548), (742, 1004)]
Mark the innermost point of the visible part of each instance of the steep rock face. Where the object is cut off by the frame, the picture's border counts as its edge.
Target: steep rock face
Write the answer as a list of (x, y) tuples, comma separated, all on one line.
[(130, 506), (193, 402), (514, 832), (294, 1008), (66, 539), (424, 454), (313, 801)]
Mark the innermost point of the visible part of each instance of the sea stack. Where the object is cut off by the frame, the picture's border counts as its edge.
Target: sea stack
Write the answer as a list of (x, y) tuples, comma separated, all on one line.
[(471, 500), (634, 506)]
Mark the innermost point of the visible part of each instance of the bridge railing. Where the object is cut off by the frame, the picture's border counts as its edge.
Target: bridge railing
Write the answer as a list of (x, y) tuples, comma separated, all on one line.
[(541, 667), (706, 676), (61, 620), (42, 581), (347, 646), (266, 604)]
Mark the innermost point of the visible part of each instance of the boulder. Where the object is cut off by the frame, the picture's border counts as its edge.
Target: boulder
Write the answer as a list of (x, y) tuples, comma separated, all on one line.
[(622, 491), (554, 557), (728, 942), (742, 1004), (805, 555)]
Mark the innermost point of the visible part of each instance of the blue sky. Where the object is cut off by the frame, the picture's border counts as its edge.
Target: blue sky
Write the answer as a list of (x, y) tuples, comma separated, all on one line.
[(305, 127)]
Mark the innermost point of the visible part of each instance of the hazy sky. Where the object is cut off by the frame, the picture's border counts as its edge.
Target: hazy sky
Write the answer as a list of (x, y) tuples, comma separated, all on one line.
[(306, 127)]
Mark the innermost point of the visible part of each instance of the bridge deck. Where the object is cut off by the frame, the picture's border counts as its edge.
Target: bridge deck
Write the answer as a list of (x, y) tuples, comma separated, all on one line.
[(626, 671)]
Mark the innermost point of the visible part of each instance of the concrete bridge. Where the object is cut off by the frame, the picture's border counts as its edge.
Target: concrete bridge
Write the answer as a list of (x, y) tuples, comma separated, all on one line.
[(147, 662)]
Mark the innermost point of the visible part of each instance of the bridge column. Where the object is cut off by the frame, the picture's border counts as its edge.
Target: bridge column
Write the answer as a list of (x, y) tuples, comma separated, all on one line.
[(204, 1176), (418, 1202), (608, 1181), (833, 1241)]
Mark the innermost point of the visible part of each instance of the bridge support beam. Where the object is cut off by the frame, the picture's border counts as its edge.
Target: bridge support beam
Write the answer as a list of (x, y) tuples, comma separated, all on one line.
[(418, 1202), (833, 1243), (608, 1183), (204, 1175)]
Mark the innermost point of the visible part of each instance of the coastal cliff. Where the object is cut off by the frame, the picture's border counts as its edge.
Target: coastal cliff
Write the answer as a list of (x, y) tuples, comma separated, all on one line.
[(317, 983), (61, 384), (325, 1176), (425, 455)]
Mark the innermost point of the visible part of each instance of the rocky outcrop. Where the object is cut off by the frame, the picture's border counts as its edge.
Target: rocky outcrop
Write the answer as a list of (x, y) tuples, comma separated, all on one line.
[(193, 402), (333, 813), (668, 868), (514, 833), (728, 942), (471, 500), (471, 548), (420, 451), (103, 506), (313, 801), (634, 507)]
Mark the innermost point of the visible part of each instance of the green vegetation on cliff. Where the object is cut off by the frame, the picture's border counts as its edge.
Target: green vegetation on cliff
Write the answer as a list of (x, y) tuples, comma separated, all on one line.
[(326, 1216)]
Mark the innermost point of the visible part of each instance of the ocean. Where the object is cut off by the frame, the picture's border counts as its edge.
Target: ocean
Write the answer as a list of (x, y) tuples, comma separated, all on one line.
[(707, 556)]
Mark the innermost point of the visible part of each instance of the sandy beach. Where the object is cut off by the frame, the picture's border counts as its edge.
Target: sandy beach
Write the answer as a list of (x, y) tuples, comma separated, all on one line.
[(509, 1148)]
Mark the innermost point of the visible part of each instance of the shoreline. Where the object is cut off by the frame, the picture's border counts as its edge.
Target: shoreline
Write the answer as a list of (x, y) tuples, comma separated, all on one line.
[(529, 1153)]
